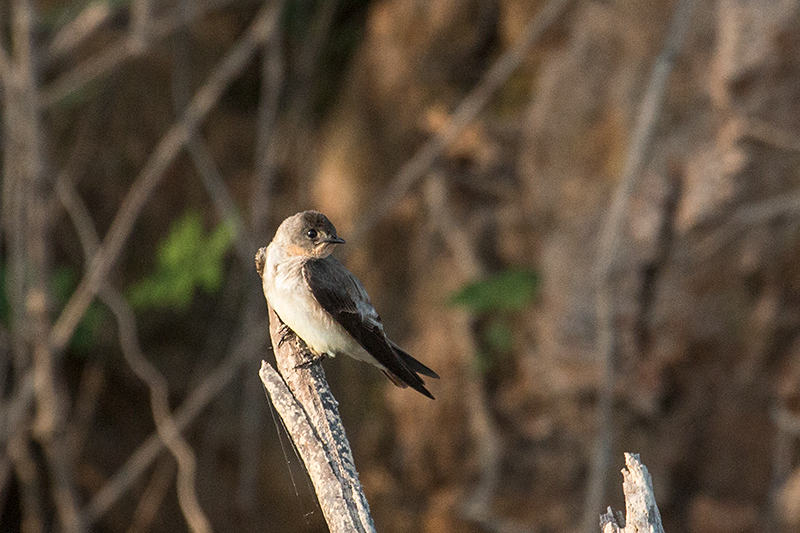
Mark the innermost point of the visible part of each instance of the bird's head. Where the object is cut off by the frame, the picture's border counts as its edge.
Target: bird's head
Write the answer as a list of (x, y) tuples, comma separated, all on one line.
[(309, 233)]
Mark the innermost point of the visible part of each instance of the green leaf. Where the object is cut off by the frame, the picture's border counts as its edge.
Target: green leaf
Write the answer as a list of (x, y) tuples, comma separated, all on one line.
[(187, 260), (498, 336), (510, 290)]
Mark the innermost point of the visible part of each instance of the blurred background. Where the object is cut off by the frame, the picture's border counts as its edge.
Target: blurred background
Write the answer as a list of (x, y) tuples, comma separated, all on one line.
[(581, 214)]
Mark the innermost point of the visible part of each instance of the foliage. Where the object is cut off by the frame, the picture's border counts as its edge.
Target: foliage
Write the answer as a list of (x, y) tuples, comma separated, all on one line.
[(509, 290), (494, 300), (186, 260)]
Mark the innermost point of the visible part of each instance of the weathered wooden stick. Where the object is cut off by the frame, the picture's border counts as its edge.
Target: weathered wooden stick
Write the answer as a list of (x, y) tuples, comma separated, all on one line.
[(641, 511), (310, 413)]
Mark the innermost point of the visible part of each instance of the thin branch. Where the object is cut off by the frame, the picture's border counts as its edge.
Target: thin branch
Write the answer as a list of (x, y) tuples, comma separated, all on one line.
[(152, 498), (465, 113), (118, 53), (153, 171), (252, 337), (608, 251), (144, 370), (159, 402), (80, 28), (24, 147), (18, 450)]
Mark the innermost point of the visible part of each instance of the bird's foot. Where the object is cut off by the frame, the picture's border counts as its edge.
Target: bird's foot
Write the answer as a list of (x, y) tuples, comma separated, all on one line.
[(310, 358), (285, 334)]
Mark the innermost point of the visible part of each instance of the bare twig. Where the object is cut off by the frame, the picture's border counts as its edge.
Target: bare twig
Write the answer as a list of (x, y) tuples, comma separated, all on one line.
[(26, 171), (608, 251), (169, 146), (116, 54), (144, 370), (641, 511), (466, 111), (18, 449), (250, 338), (80, 28), (249, 342), (159, 402), (153, 497)]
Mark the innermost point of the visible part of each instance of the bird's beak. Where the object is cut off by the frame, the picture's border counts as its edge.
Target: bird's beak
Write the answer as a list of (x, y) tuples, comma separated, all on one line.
[(334, 240)]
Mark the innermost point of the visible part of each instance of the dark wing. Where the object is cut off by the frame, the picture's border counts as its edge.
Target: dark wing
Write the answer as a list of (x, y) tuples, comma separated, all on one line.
[(344, 298)]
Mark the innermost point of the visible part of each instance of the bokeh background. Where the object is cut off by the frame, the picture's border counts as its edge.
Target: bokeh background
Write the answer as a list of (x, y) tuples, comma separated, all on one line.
[(582, 214)]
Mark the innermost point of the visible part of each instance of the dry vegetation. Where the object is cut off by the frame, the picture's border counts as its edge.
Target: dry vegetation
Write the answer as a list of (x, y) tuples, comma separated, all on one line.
[(636, 161)]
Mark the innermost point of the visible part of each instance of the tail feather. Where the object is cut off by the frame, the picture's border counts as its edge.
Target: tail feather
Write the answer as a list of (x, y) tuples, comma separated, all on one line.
[(419, 387), (412, 363)]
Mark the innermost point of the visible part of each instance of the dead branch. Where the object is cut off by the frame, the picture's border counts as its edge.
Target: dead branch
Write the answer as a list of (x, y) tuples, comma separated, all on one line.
[(78, 30), (465, 113), (335, 491), (609, 248), (144, 370), (250, 338), (153, 497), (304, 401), (641, 511), (18, 450), (115, 54), (24, 167), (159, 403), (166, 151)]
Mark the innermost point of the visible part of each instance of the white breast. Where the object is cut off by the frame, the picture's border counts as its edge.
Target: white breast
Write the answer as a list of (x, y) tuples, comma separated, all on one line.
[(290, 297)]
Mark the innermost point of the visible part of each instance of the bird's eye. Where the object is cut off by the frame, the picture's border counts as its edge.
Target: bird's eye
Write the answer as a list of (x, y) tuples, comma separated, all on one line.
[(311, 234)]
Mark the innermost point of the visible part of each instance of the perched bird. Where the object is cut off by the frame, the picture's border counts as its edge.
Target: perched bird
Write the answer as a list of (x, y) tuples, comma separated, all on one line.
[(326, 305)]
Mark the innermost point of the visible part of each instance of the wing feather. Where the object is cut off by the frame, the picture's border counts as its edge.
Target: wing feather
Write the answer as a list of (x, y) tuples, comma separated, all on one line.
[(343, 297)]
